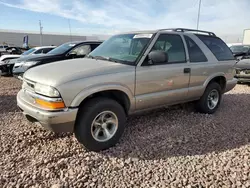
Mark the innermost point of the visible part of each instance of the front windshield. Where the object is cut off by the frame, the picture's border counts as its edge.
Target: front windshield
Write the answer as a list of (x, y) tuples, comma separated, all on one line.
[(62, 49), (239, 49), (124, 48), (29, 51)]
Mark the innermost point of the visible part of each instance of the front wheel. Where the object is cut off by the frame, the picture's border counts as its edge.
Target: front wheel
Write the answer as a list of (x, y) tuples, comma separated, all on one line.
[(210, 100), (100, 123)]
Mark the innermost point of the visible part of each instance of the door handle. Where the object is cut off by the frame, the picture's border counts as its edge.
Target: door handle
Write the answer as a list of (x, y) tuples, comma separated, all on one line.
[(187, 70)]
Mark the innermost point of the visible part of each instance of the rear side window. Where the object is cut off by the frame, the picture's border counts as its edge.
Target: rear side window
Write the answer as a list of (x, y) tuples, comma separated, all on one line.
[(217, 47), (195, 53), (46, 50), (38, 51)]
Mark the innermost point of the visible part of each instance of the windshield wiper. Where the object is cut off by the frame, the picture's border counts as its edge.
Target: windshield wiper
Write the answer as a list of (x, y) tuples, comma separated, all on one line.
[(103, 58)]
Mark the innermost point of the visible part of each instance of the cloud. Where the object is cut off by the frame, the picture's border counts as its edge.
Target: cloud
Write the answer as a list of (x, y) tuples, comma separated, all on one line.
[(225, 17)]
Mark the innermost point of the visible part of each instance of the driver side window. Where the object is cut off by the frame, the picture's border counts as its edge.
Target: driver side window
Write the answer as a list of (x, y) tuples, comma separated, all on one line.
[(173, 45), (82, 50)]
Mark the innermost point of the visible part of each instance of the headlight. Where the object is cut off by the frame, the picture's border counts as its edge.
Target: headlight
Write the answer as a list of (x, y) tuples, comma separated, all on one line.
[(18, 64), (29, 63), (46, 90)]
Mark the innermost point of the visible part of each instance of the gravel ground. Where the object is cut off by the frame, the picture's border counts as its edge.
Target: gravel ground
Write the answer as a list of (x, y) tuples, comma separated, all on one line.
[(172, 147)]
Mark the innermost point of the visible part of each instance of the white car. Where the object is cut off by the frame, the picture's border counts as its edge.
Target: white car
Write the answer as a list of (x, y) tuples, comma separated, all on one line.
[(36, 50), (3, 47)]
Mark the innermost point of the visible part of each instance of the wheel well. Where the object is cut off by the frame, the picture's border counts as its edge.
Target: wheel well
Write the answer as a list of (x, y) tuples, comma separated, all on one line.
[(221, 80), (116, 95)]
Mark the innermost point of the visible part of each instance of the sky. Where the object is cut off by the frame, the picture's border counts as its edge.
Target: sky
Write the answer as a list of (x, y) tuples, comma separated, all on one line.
[(227, 18)]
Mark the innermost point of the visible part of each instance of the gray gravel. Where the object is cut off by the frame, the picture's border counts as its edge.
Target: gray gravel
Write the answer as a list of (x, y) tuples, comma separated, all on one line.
[(172, 147)]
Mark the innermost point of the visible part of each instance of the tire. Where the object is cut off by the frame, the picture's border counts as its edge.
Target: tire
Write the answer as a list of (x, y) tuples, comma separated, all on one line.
[(85, 129), (203, 105)]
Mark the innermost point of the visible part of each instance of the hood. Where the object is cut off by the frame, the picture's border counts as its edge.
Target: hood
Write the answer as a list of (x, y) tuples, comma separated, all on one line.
[(3, 57), (60, 72), (243, 64)]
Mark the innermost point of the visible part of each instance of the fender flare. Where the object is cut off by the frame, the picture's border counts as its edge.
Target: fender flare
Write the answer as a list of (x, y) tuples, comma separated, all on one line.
[(208, 80), (98, 88)]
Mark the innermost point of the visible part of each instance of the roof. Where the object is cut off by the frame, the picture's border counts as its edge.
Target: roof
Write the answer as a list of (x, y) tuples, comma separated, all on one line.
[(86, 41), (172, 30), (41, 47)]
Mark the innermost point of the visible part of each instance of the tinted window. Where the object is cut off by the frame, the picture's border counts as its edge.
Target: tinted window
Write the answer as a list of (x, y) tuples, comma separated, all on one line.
[(94, 46), (62, 49), (173, 46), (240, 49), (195, 53), (46, 50), (217, 47), (38, 51)]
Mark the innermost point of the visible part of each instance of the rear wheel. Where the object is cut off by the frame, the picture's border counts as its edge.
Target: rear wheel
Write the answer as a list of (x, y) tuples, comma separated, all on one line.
[(100, 123), (210, 100)]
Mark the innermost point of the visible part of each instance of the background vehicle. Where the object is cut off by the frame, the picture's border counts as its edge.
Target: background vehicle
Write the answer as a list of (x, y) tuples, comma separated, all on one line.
[(242, 54), (3, 47), (129, 72), (243, 71), (68, 50), (241, 51), (6, 65)]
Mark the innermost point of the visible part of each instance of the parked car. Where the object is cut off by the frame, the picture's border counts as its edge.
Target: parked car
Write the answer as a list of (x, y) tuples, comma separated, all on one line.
[(13, 50), (243, 71), (242, 54), (241, 51), (129, 72), (70, 50), (7, 63), (3, 47)]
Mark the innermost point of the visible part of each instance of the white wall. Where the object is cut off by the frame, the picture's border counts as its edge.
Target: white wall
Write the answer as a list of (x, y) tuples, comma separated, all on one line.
[(246, 39)]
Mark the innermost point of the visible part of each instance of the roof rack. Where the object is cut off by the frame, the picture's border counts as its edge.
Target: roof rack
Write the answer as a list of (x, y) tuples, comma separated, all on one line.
[(188, 30)]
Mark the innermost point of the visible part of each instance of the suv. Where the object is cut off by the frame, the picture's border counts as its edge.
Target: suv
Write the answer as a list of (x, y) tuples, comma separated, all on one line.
[(70, 50), (129, 72)]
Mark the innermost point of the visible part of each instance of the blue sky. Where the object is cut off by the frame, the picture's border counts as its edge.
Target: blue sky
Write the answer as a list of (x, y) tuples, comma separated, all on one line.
[(225, 17)]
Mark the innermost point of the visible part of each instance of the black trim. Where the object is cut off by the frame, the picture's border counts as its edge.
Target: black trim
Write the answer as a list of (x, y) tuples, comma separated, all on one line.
[(144, 50), (186, 40)]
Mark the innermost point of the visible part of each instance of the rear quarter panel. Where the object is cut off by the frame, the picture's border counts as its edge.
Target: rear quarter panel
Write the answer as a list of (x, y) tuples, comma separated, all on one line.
[(203, 72)]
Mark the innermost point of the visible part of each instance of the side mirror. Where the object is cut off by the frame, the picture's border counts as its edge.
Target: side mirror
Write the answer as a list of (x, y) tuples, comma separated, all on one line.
[(157, 57), (72, 54)]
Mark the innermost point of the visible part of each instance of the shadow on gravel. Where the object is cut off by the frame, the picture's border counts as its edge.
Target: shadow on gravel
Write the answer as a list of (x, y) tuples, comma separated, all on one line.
[(181, 132), (8, 104)]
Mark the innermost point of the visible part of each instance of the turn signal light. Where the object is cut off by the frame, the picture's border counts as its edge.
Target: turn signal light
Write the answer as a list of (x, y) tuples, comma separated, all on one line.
[(50, 105)]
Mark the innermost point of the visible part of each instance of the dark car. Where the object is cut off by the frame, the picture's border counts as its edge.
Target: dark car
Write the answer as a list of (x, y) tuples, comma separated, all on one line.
[(242, 53), (66, 51), (7, 60)]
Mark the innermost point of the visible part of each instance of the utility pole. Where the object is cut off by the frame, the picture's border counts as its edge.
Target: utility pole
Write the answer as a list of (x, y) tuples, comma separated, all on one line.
[(41, 33), (70, 30), (198, 18)]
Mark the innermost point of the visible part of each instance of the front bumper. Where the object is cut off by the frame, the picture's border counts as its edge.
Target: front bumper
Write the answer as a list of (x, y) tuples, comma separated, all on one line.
[(56, 121), (243, 75)]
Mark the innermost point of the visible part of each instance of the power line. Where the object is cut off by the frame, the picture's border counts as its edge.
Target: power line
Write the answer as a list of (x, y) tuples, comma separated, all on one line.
[(198, 18), (41, 33), (70, 30)]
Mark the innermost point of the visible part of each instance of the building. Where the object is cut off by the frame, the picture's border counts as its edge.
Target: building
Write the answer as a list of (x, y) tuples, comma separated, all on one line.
[(246, 37), (15, 38)]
